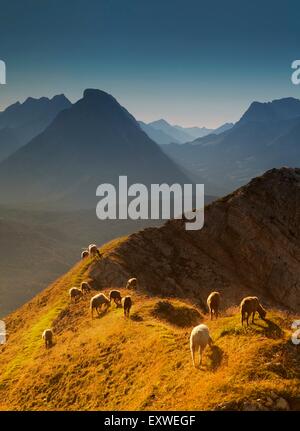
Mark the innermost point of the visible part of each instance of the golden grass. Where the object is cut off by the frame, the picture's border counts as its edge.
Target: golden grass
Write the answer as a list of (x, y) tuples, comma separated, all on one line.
[(113, 363)]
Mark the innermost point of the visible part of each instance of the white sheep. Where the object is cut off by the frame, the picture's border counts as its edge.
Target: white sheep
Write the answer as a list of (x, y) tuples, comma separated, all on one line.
[(48, 338), (84, 253), (213, 303), (75, 293), (198, 340), (93, 250), (127, 304), (132, 283), (97, 301), (85, 287), (251, 305)]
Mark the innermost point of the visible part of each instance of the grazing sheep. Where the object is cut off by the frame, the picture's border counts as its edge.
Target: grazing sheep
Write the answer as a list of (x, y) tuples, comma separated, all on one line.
[(250, 305), (75, 293), (97, 301), (48, 338), (84, 254), (213, 302), (127, 304), (132, 283), (116, 296), (93, 250), (85, 287), (198, 340)]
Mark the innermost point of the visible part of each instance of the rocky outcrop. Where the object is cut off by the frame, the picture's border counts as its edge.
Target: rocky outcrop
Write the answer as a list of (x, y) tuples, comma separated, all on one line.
[(250, 244)]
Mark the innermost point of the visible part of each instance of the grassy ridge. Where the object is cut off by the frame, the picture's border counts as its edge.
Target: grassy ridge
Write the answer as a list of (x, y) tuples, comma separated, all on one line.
[(113, 363)]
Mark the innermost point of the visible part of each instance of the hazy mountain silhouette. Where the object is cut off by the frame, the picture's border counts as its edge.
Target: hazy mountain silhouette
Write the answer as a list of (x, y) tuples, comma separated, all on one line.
[(267, 136), (20, 122), (94, 141), (199, 132), (223, 128), (176, 134), (164, 133), (157, 135)]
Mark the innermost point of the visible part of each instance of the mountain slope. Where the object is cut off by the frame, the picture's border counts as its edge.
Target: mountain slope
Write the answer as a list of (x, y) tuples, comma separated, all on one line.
[(31, 256), (250, 244), (9, 142), (93, 142), (37, 246), (249, 148), (26, 120)]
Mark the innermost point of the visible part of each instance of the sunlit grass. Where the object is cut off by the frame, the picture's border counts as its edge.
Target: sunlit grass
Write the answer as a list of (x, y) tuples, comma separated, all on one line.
[(113, 363)]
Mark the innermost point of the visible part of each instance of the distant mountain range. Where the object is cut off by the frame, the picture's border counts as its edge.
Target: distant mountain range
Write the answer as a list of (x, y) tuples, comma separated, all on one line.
[(266, 136), (94, 141), (77, 147), (164, 133), (20, 122)]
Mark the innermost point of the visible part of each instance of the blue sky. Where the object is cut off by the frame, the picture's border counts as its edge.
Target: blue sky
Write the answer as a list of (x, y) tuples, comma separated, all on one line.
[(191, 62)]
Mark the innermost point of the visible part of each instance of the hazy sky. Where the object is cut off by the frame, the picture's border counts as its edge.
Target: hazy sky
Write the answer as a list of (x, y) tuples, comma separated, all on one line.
[(191, 62)]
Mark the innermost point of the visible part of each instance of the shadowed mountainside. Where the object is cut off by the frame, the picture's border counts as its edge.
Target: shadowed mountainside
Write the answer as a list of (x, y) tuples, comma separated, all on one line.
[(93, 142), (20, 122), (267, 136), (250, 244)]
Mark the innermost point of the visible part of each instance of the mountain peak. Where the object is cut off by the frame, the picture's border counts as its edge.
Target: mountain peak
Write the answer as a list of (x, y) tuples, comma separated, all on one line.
[(279, 109), (96, 93), (160, 122), (60, 97)]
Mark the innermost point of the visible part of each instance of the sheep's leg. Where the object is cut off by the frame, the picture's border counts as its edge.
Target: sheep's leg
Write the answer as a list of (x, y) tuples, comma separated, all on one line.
[(248, 315), (193, 355), (253, 315), (200, 353)]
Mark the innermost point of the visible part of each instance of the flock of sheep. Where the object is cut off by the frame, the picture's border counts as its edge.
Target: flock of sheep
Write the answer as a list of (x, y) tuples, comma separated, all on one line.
[(200, 336), (98, 302)]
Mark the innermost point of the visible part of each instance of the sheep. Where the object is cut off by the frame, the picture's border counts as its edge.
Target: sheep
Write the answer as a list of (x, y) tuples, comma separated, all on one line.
[(93, 250), (75, 293), (85, 287), (198, 340), (116, 296), (132, 283), (84, 254), (48, 338), (250, 305), (97, 301), (127, 304), (213, 302)]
